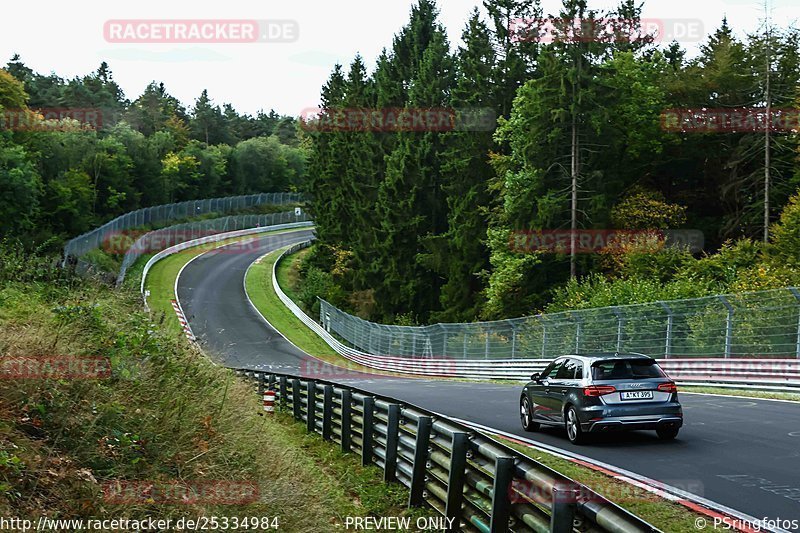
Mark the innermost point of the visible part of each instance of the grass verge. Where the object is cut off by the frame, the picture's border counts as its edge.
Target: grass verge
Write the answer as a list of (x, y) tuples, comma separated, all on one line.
[(744, 393), (666, 515), (261, 292)]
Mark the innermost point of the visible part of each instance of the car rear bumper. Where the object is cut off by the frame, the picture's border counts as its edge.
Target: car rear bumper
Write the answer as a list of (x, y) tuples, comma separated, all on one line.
[(607, 418)]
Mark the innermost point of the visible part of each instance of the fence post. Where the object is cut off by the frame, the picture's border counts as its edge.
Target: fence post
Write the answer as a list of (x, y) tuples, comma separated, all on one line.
[(282, 391), (296, 405), (670, 324), (620, 322), (311, 406), (455, 480), (728, 325), (543, 320), (486, 348), (563, 510), (366, 430), (578, 332), (392, 436), (501, 501), (347, 427), (513, 340), (416, 496), (796, 294), (327, 412)]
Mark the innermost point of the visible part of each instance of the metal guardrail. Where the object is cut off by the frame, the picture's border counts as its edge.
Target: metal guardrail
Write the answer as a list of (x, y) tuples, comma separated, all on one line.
[(164, 238), (93, 239), (209, 239), (478, 483)]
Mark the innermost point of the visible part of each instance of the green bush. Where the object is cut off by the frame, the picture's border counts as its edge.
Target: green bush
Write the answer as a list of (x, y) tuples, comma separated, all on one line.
[(786, 234)]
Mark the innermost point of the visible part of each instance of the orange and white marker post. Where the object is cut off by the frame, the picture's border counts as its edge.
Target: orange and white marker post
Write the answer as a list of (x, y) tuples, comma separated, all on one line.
[(269, 401)]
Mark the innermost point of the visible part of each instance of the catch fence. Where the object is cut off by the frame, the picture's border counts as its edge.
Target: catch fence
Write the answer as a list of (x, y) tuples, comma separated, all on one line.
[(161, 214), (762, 324)]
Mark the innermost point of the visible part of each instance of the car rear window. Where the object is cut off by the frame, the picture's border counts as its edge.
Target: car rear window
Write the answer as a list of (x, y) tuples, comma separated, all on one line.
[(626, 369)]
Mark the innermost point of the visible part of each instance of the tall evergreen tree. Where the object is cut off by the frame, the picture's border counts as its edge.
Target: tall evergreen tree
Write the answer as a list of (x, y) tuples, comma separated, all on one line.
[(410, 200), (459, 254)]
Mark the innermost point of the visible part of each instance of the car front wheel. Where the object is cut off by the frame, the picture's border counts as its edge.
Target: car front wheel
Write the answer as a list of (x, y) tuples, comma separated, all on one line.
[(574, 431), (526, 415)]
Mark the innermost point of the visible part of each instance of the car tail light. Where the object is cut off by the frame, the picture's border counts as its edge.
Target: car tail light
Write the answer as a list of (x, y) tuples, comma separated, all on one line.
[(668, 387), (598, 390)]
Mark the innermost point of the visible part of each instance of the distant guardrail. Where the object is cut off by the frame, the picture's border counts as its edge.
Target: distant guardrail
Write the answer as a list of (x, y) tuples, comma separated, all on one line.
[(83, 244), (196, 232), (209, 239), (477, 483)]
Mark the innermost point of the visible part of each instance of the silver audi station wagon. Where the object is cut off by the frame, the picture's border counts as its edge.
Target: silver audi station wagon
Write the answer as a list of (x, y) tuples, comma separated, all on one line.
[(589, 394)]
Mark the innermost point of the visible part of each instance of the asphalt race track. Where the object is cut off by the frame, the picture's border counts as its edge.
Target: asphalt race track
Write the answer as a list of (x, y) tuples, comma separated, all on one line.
[(741, 453)]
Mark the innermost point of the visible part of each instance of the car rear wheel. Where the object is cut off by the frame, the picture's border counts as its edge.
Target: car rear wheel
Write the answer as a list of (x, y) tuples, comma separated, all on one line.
[(667, 433), (526, 415), (573, 425)]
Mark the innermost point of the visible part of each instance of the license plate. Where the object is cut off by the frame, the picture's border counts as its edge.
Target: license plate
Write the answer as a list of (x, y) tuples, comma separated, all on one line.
[(637, 395)]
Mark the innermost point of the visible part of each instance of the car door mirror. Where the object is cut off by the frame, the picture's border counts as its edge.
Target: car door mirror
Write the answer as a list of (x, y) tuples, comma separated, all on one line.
[(536, 377)]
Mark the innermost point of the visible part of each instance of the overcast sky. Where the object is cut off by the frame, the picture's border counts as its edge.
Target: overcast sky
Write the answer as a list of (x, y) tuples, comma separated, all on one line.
[(68, 38)]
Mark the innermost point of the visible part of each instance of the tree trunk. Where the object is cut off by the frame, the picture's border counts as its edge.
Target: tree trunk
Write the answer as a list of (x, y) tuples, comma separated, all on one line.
[(767, 133)]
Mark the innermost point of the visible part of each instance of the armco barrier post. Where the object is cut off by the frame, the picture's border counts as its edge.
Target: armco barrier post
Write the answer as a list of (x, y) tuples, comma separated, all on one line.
[(347, 420), (366, 430), (562, 515), (260, 384), (282, 391), (415, 498), (455, 480), (501, 501), (327, 412), (296, 405), (392, 436), (311, 405)]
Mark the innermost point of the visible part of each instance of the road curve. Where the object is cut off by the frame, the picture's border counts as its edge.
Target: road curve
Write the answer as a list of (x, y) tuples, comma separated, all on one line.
[(741, 453)]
